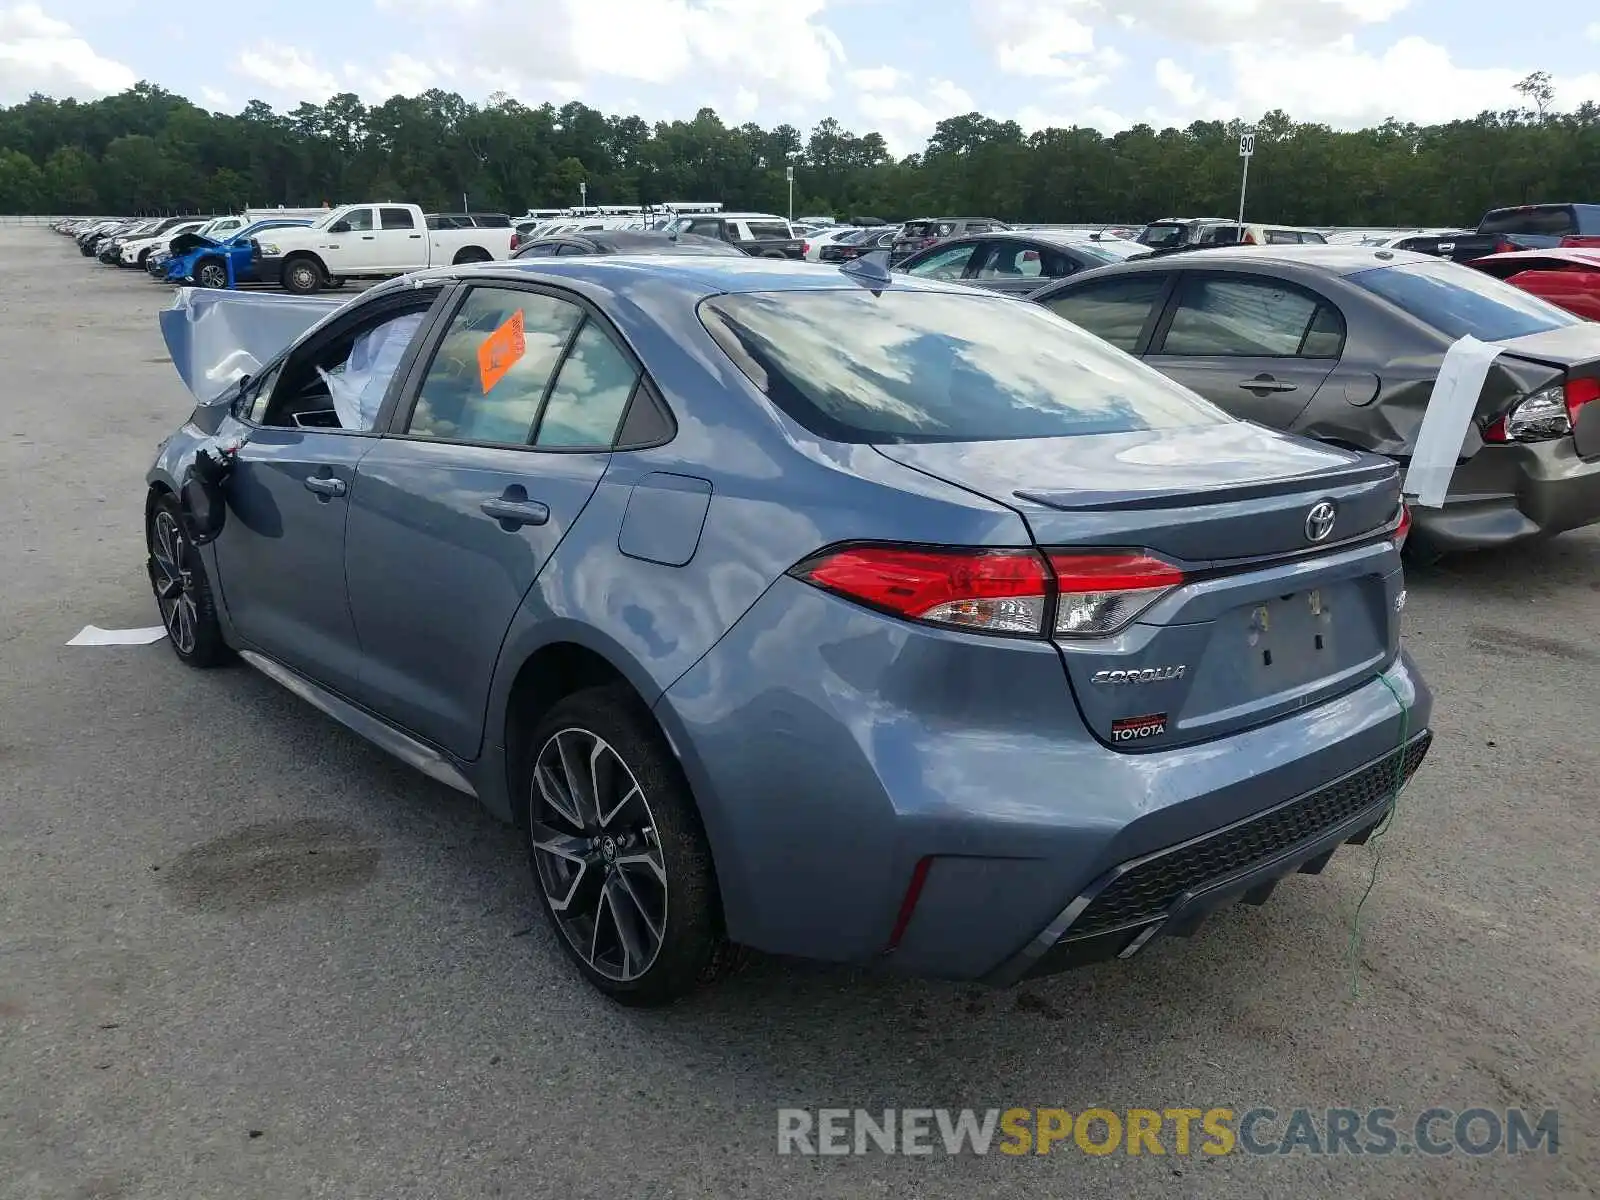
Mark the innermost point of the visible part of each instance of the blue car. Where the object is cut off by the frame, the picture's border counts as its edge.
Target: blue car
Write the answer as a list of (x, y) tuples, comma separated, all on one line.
[(823, 611), (202, 261)]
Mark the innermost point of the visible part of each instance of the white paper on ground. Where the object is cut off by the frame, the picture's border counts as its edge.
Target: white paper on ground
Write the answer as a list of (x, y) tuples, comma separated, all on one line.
[(93, 635), (1444, 425)]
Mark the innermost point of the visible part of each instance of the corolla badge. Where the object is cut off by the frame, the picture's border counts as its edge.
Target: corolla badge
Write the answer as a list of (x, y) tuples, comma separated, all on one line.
[(1147, 675), (1319, 521)]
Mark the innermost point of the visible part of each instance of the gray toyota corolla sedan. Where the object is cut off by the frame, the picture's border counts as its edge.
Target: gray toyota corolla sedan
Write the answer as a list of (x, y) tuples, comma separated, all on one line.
[(815, 610), (1344, 343)]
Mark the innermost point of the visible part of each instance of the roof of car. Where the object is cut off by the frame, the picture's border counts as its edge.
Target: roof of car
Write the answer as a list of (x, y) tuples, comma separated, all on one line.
[(693, 276), (1331, 259), (644, 240)]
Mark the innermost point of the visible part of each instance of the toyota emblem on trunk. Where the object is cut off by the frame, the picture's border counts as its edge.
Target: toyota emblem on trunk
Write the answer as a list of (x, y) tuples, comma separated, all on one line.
[(1319, 521)]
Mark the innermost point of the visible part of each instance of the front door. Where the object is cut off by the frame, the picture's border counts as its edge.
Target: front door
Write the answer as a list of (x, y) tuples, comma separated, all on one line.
[(280, 555), (354, 248), (1255, 346), (495, 448)]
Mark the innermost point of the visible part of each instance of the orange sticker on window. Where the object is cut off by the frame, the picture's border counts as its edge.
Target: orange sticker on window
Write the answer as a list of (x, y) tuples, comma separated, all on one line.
[(500, 351)]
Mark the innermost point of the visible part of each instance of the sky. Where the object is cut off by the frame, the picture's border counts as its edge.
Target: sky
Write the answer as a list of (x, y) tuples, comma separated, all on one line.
[(895, 66)]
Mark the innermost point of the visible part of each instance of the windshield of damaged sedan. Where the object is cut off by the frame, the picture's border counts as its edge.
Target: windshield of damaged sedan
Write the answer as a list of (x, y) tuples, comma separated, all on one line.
[(1458, 301), (911, 366)]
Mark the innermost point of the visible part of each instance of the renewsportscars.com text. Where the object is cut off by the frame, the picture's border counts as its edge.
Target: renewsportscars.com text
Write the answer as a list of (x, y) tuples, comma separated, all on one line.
[(1166, 1131)]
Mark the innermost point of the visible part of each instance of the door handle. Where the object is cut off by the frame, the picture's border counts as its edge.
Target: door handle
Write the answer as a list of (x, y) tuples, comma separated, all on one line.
[(513, 514), (369, 237), (1266, 383), (325, 486), (416, 237)]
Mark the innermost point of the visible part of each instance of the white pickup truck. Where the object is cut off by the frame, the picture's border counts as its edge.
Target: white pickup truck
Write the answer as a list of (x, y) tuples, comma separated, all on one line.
[(367, 241)]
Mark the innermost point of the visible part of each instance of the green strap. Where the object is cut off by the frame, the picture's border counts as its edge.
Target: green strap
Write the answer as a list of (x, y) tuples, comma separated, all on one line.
[(1377, 835)]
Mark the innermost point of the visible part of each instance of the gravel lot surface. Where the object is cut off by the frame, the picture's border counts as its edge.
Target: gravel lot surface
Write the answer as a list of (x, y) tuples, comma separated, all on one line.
[(243, 954)]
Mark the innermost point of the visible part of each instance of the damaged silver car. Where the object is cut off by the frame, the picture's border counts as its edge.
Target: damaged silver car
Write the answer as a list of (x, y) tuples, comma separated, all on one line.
[(1345, 343)]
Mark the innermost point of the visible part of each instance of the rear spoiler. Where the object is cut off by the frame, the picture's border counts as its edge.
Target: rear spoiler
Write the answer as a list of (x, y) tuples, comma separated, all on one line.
[(217, 337)]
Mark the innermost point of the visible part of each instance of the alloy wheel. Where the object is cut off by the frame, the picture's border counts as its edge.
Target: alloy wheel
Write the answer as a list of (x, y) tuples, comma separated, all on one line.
[(173, 577), (597, 854), (213, 275)]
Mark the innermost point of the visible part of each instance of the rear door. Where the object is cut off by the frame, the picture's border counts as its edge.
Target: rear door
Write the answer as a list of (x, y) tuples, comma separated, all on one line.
[(402, 244), (1256, 346), (501, 435)]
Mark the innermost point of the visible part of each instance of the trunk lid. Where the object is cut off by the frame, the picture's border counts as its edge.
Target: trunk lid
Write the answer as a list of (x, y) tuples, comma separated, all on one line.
[(1267, 620)]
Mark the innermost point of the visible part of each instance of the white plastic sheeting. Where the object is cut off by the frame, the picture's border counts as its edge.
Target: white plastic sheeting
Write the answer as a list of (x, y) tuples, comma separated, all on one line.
[(1444, 425), (216, 337), (357, 385)]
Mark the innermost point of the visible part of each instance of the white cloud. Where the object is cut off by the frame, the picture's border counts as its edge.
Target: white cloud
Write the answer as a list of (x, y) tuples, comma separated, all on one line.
[(402, 75), (906, 121), (1414, 80), (1041, 37), (878, 79), (1033, 118), (215, 100), (1593, 32), (285, 70), (39, 53), (1177, 83), (745, 104), (776, 47)]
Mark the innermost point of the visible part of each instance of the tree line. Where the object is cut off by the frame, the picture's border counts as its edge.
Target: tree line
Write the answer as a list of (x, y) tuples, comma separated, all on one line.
[(148, 150)]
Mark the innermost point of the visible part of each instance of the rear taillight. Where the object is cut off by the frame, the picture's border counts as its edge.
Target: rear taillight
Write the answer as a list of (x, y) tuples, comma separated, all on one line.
[(1551, 412), (805, 248), (516, 240), (1249, 239), (1100, 593), (1402, 527), (997, 591)]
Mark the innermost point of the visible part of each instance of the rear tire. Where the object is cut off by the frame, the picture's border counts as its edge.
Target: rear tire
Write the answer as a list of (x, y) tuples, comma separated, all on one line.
[(302, 276), (618, 851), (472, 254), (183, 593)]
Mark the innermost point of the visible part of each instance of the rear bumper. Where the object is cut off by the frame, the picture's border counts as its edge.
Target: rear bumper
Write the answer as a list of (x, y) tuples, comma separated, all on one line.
[(1172, 891), (833, 750), (1507, 494)]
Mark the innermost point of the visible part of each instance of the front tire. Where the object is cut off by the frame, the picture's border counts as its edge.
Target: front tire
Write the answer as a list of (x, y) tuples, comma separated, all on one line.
[(618, 852), (211, 273), (183, 593), (302, 276)]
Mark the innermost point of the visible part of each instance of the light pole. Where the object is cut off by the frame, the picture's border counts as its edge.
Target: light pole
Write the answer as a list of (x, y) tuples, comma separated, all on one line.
[(1247, 148), (790, 173), (583, 197)]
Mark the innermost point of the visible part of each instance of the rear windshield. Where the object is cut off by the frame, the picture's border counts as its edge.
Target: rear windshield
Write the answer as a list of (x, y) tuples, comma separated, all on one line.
[(1553, 219), (1161, 235), (1458, 301), (911, 366)]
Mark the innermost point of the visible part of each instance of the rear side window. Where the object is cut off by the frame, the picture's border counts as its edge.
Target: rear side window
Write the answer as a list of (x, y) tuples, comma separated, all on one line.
[(1283, 237), (1251, 318), (1555, 219), (1113, 309), (590, 393), (1161, 236), (396, 218), (913, 366), (1458, 300), (769, 229)]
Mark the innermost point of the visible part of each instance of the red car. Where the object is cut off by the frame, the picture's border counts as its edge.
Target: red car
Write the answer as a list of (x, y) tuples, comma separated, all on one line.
[(1565, 276)]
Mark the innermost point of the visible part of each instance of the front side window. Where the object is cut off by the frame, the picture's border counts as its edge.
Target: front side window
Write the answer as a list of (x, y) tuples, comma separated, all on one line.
[(358, 219), (915, 366), (949, 263), (1250, 318), (340, 382), (1114, 309), (492, 367)]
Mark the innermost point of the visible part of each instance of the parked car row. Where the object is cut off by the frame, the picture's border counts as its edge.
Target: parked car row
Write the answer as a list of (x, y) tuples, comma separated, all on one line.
[(301, 254)]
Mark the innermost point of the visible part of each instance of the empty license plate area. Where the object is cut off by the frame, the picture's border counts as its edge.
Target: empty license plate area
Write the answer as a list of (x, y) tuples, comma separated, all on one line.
[(1281, 647)]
